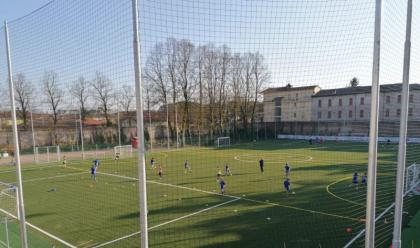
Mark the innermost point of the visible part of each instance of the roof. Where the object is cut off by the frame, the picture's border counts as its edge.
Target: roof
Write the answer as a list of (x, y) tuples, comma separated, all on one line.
[(288, 88), (363, 90)]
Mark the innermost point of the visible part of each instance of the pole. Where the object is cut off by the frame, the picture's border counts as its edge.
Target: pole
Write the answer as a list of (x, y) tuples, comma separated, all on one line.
[(33, 135), (399, 191), (81, 134), (373, 133), (20, 202), (150, 130), (167, 126), (140, 129), (119, 126)]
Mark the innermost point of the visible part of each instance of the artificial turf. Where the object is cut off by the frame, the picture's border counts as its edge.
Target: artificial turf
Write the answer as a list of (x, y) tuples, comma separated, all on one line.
[(186, 209)]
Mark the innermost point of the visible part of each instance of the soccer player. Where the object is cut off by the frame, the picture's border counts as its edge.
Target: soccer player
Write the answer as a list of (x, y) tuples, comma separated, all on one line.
[(96, 163), (227, 170), (160, 171), (64, 161), (286, 169), (286, 185), (222, 186), (262, 165), (355, 180), (364, 179), (152, 163), (117, 156), (187, 167), (93, 172)]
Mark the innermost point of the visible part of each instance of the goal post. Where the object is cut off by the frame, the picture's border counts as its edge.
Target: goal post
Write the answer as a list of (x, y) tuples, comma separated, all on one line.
[(222, 142), (412, 179), (47, 154), (123, 151)]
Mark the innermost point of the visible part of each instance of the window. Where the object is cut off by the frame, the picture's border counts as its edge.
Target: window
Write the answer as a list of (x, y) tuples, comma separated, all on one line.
[(294, 115), (410, 112), (362, 113), (329, 102), (319, 115), (350, 114), (387, 113), (297, 96), (294, 104), (398, 112), (351, 101), (362, 101), (411, 98), (339, 114), (319, 103), (388, 99), (329, 114), (340, 102), (399, 98)]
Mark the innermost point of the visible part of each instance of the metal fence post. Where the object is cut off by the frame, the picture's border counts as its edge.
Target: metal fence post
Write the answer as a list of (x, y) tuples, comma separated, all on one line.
[(399, 191), (140, 128), (20, 202), (373, 133)]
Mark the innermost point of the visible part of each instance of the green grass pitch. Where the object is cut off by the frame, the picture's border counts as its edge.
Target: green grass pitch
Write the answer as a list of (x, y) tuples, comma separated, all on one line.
[(186, 209)]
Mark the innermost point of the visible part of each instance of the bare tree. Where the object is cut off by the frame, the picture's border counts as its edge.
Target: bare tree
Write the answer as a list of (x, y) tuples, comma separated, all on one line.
[(126, 98), (24, 91), (260, 77), (80, 90), (54, 96), (103, 93), (171, 63), (185, 70)]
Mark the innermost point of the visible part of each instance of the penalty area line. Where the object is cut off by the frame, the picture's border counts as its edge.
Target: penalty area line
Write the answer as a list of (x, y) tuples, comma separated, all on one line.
[(166, 223)]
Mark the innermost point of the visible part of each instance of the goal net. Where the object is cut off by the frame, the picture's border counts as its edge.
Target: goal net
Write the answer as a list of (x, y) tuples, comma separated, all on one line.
[(412, 181), (223, 142), (47, 154), (123, 151), (8, 214)]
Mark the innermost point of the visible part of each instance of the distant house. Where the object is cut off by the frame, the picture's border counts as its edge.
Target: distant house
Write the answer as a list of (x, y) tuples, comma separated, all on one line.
[(287, 104), (353, 103)]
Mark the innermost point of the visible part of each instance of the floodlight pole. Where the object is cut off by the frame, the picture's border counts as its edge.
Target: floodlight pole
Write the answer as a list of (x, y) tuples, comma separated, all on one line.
[(20, 202), (399, 190), (373, 133), (167, 126), (81, 133), (119, 125), (140, 128)]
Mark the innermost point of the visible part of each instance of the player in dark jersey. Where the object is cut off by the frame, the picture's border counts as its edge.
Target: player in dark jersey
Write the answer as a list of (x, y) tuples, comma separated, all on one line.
[(287, 169), (222, 186), (261, 165)]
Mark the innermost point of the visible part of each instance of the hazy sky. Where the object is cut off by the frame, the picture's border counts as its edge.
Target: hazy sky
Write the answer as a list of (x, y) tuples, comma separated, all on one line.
[(324, 42)]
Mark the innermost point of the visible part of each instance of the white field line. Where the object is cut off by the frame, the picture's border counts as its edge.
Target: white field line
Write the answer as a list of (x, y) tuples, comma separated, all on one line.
[(41, 230), (166, 223)]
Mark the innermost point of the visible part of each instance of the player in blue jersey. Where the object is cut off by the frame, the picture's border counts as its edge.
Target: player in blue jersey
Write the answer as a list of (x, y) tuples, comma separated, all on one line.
[(364, 179), (93, 172), (287, 169), (355, 180), (96, 163), (286, 185), (222, 185)]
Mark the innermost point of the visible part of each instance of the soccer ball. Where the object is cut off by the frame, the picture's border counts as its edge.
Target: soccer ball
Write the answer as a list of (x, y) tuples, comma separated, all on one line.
[(293, 192)]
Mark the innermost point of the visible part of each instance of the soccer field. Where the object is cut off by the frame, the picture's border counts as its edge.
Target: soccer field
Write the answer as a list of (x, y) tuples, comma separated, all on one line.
[(187, 209)]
